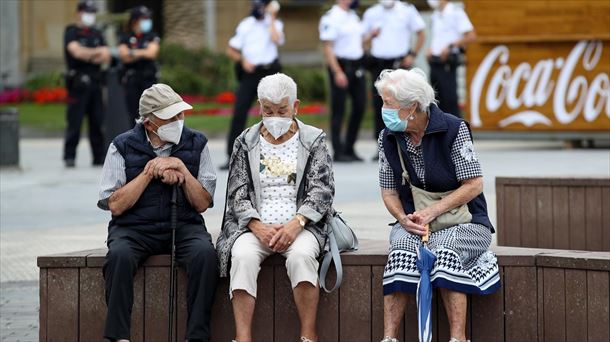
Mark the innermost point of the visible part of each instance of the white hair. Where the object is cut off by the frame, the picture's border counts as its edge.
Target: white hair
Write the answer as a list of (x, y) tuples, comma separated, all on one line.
[(407, 87), (277, 87), (142, 118)]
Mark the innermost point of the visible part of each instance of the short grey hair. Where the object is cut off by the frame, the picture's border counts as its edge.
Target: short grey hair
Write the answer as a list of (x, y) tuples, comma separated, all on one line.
[(276, 87), (407, 87), (140, 119)]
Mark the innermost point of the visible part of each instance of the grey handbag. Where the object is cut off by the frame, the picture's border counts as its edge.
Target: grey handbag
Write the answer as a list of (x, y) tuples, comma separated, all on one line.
[(341, 239), (423, 199)]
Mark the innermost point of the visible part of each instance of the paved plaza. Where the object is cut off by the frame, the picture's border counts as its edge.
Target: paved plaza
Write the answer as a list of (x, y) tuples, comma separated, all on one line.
[(46, 208)]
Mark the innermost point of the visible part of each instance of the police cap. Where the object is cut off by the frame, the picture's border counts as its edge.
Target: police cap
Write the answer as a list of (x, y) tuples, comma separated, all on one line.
[(86, 6), (140, 12)]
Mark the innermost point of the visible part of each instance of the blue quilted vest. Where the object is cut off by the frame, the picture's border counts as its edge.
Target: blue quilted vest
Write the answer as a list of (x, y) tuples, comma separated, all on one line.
[(438, 139), (153, 206)]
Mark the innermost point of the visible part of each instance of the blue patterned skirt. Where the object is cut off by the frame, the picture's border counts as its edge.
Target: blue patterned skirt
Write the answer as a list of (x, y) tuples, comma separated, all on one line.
[(463, 261)]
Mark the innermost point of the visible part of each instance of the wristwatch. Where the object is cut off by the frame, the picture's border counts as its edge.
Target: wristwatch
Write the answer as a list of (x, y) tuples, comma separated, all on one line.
[(301, 220)]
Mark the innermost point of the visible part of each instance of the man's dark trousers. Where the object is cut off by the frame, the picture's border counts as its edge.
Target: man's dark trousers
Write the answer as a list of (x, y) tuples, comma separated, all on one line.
[(85, 99), (128, 248), (443, 77)]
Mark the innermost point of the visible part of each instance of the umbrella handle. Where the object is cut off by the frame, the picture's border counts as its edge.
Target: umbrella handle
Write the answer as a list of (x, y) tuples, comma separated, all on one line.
[(424, 238)]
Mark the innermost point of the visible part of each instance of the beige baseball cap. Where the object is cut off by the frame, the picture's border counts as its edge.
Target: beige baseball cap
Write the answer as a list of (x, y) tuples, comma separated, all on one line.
[(161, 101)]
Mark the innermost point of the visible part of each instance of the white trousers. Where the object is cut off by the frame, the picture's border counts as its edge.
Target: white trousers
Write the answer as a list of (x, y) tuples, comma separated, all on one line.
[(248, 253)]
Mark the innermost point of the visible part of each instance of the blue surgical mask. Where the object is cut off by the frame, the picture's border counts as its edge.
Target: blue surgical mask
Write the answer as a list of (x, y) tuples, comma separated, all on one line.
[(392, 120), (145, 25)]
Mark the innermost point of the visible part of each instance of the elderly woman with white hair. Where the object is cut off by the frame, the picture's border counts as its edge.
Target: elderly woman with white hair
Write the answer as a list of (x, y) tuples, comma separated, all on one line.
[(435, 150), (280, 187)]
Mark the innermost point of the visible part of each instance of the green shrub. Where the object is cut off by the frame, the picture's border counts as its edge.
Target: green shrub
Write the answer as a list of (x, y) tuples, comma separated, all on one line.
[(52, 79), (311, 82), (199, 71)]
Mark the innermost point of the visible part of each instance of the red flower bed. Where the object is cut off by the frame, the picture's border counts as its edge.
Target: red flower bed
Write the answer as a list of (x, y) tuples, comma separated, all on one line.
[(50, 95)]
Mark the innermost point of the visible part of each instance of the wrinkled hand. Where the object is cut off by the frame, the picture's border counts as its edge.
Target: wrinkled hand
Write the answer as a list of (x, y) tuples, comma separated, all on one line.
[(412, 224), (159, 165), (285, 236), (264, 232), (172, 177), (247, 66), (341, 80)]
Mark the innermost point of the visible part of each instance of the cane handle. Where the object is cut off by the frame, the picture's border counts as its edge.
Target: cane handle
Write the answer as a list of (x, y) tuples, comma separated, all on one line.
[(424, 238)]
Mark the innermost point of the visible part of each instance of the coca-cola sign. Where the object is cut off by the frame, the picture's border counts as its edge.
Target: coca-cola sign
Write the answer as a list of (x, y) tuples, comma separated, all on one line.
[(548, 93)]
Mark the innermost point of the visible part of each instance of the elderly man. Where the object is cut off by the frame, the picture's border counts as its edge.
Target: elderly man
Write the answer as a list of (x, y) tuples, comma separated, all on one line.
[(140, 170), (280, 189)]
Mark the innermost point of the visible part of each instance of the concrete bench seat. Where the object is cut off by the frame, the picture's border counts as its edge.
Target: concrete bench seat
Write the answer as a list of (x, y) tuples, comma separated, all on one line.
[(546, 295)]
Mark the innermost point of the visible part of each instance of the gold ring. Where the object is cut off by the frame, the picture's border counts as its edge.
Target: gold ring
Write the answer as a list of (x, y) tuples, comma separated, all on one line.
[(289, 242)]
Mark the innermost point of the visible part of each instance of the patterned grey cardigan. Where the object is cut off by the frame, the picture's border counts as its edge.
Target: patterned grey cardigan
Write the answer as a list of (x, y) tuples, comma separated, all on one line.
[(315, 182)]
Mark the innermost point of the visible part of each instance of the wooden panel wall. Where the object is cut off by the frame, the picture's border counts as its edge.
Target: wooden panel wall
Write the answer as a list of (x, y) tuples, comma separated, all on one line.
[(509, 20), (554, 213), (546, 295)]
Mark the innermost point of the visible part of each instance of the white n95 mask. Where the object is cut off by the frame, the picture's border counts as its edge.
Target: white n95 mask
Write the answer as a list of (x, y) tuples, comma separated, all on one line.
[(277, 126), (171, 132)]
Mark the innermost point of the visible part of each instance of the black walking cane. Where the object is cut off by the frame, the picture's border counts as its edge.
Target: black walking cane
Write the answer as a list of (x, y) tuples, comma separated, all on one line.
[(172, 278)]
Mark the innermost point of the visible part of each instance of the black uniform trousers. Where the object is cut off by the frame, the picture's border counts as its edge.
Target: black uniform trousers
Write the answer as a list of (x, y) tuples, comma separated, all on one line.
[(85, 99), (245, 95), (134, 85), (356, 89), (128, 248), (377, 65), (443, 78)]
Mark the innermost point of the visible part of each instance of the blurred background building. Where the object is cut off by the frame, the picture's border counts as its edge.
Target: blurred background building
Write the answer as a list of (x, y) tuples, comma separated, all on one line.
[(32, 30)]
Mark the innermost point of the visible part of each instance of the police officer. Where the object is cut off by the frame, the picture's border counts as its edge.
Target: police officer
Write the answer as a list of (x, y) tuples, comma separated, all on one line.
[(138, 50), (254, 49), (342, 34), (84, 51), (391, 24), (451, 32)]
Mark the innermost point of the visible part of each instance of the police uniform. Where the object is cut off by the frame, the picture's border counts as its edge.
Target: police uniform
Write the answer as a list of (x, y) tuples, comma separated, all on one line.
[(391, 45), (253, 39), (140, 74), (84, 84), (345, 30), (448, 26)]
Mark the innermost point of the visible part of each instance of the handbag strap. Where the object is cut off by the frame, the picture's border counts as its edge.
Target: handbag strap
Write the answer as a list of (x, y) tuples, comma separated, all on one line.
[(405, 174), (334, 256)]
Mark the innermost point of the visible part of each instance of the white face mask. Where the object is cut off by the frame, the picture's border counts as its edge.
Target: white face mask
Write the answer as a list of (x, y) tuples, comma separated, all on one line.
[(171, 132), (433, 4), (88, 19), (277, 126), (387, 3)]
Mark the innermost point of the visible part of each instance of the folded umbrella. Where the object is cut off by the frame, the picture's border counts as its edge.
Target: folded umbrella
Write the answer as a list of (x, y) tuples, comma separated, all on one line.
[(425, 262)]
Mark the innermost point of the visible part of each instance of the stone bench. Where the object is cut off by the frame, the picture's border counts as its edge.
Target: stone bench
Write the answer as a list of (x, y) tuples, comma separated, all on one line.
[(546, 295), (563, 213)]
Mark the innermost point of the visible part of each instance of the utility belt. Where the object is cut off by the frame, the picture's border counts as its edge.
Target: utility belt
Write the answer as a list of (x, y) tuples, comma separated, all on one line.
[(350, 66), (131, 74), (76, 79), (385, 63), (453, 60), (273, 66), (269, 68)]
